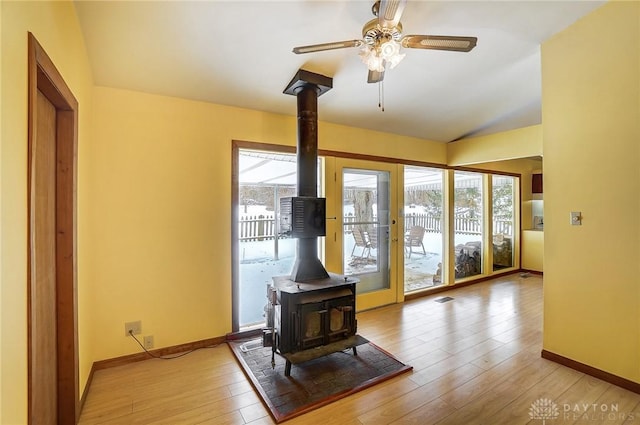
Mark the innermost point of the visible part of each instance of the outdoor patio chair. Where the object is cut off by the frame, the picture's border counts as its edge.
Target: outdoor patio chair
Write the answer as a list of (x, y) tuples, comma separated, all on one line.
[(414, 238), (361, 241), (372, 237)]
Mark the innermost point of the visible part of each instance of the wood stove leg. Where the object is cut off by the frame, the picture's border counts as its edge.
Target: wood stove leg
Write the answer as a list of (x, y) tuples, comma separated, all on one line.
[(355, 352), (287, 368)]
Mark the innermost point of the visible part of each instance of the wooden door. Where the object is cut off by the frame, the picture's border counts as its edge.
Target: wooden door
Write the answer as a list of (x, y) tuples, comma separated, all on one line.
[(43, 266), (52, 273)]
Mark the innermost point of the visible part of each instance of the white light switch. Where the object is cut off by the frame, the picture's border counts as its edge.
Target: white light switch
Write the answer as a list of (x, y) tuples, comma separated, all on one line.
[(576, 218)]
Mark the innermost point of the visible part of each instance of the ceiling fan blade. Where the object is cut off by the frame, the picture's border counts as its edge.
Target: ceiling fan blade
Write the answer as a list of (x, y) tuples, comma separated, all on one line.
[(375, 77), (327, 46), (439, 42), (390, 12)]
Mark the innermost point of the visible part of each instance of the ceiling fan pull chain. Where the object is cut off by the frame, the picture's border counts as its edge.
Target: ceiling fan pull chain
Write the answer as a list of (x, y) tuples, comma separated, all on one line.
[(381, 95)]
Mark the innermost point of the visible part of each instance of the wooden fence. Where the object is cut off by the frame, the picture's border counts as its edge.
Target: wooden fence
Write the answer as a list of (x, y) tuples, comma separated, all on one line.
[(261, 227), (462, 225), (256, 228), (432, 224)]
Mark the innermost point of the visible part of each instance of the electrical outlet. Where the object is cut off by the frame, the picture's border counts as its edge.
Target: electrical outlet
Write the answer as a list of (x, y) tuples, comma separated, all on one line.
[(148, 342), (135, 327)]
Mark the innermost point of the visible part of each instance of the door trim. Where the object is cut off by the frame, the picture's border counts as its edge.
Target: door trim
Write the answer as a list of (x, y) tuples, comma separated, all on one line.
[(43, 76)]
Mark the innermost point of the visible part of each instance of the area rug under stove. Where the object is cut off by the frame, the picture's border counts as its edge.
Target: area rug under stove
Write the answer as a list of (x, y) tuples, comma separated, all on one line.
[(314, 383)]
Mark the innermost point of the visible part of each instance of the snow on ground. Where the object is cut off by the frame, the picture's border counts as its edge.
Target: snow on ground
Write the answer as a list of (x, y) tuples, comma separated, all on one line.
[(258, 266)]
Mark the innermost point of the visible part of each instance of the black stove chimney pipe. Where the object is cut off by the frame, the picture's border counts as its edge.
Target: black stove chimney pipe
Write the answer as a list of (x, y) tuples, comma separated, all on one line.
[(307, 87)]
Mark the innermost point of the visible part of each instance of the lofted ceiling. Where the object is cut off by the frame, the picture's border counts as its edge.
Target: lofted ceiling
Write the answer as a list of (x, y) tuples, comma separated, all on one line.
[(238, 53)]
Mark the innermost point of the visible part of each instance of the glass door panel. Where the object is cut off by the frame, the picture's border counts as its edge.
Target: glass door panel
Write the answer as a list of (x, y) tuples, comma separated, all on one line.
[(263, 252), (503, 211), (366, 229), (468, 216), (423, 219)]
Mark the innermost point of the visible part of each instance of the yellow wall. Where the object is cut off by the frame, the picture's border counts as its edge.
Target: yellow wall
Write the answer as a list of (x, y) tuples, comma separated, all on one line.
[(533, 250), (1, 274), (520, 143), (161, 209), (55, 25), (591, 105)]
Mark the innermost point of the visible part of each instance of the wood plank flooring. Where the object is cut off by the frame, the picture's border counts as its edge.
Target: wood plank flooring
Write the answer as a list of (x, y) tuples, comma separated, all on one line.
[(476, 360)]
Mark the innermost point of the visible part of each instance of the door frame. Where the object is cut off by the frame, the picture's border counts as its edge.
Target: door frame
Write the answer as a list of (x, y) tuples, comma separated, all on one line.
[(335, 244), (43, 76)]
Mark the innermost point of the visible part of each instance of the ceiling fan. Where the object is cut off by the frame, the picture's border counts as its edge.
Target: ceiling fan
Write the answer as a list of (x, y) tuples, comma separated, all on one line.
[(382, 38)]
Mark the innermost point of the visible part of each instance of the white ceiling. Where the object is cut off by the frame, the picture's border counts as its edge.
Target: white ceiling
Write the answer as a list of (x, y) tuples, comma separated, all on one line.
[(239, 53)]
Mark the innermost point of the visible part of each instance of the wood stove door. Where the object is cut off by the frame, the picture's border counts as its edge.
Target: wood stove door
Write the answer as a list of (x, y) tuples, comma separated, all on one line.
[(366, 229)]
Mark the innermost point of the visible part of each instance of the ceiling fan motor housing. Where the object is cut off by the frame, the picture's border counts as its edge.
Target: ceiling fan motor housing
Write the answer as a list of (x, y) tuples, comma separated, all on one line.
[(373, 34)]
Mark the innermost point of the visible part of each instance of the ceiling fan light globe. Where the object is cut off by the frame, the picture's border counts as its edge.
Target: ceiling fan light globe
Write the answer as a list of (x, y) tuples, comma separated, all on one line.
[(389, 49), (365, 54), (395, 60), (365, 51), (375, 63)]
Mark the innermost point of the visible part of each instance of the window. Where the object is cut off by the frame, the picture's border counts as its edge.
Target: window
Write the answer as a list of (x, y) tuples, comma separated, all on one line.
[(423, 227), (468, 216), (263, 178), (503, 213)]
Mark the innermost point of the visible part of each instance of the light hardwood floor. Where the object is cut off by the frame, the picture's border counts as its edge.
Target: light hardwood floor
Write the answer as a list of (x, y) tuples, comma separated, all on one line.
[(476, 360)]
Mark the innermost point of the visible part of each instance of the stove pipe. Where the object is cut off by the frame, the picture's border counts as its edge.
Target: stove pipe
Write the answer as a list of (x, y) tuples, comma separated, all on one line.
[(307, 87)]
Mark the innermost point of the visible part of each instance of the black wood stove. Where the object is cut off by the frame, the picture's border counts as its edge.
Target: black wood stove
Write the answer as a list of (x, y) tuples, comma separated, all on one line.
[(310, 313), (311, 319)]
